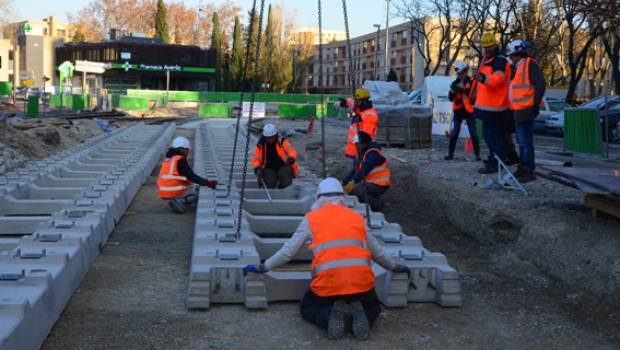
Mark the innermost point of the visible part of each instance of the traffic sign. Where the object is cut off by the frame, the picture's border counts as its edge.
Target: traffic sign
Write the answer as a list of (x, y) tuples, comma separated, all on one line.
[(27, 27)]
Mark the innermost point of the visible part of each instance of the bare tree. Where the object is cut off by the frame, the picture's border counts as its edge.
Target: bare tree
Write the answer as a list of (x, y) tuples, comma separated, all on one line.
[(6, 12), (439, 29)]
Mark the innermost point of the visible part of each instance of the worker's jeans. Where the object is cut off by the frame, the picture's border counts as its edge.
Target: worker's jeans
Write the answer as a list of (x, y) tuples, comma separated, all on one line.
[(506, 142), (371, 193), (525, 139), (316, 309), (459, 116), (279, 178), (491, 126)]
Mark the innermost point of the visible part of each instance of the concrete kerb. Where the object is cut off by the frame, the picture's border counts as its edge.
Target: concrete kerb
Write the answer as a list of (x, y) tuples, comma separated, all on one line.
[(217, 256), (40, 271)]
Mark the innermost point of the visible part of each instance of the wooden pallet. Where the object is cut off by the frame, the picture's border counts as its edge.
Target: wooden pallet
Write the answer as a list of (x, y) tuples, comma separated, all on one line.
[(602, 204)]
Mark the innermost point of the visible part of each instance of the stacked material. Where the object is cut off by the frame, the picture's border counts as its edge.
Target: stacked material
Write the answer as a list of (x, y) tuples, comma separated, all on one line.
[(405, 125)]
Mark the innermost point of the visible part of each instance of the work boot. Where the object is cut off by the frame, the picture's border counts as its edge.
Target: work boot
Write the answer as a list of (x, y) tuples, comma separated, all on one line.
[(337, 318), (520, 171), (526, 176), (360, 324), (488, 168), (448, 157), (375, 203), (176, 205)]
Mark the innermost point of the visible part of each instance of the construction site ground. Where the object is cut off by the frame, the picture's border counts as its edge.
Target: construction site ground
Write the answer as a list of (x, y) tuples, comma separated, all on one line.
[(532, 269)]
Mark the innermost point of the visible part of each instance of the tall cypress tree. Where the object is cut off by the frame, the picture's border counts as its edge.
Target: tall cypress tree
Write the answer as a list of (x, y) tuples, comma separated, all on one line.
[(268, 60), (161, 23), (216, 44), (254, 18), (236, 59)]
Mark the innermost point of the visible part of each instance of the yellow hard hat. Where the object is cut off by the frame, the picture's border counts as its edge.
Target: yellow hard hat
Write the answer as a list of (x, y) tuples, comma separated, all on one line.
[(488, 39), (361, 93)]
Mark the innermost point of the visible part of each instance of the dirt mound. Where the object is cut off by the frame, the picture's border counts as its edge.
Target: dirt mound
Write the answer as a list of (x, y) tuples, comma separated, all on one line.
[(25, 139)]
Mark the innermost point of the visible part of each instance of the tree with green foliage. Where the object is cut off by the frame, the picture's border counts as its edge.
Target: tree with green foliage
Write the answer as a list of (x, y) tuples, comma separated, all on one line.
[(78, 37), (216, 44), (254, 19), (269, 57), (161, 23), (236, 59)]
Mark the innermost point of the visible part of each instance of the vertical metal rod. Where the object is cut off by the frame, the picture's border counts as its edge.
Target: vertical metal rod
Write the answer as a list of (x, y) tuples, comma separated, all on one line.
[(374, 73), (241, 96), (248, 133), (323, 108), (167, 86), (387, 38)]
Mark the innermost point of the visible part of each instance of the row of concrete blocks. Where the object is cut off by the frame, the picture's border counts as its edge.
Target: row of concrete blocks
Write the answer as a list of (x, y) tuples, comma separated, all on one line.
[(218, 255), (84, 195)]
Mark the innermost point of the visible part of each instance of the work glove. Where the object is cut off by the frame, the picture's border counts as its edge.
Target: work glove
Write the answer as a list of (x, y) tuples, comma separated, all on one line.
[(402, 269), (290, 160), (260, 268), (210, 183), (348, 188)]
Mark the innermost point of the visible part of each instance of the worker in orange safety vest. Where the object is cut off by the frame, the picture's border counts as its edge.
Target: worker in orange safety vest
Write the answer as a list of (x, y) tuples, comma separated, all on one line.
[(342, 287), (175, 179), (370, 178), (526, 92), (491, 104), (274, 159), (365, 119)]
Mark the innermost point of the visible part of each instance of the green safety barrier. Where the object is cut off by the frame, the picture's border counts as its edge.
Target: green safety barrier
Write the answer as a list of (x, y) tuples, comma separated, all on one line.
[(116, 99), (214, 110), (80, 103), (133, 103), (582, 131), (33, 107), (298, 111), (67, 101), (211, 96), (6, 88)]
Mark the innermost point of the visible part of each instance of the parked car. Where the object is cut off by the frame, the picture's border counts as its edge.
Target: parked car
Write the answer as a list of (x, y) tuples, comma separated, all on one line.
[(551, 106), (555, 123)]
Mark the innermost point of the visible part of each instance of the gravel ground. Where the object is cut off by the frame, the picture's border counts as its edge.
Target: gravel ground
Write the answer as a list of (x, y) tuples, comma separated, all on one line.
[(133, 296)]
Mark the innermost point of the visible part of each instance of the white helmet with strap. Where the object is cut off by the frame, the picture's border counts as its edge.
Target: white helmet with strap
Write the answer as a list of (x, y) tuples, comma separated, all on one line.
[(460, 66), (517, 47), (180, 142), (269, 130)]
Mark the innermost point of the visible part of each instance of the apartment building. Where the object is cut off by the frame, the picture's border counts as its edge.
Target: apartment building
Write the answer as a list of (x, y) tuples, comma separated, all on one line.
[(368, 57), (311, 35)]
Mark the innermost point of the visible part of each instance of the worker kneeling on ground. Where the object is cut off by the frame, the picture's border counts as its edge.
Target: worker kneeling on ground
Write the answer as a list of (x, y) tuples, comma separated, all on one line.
[(370, 177), (365, 119), (342, 286), (274, 159), (176, 177)]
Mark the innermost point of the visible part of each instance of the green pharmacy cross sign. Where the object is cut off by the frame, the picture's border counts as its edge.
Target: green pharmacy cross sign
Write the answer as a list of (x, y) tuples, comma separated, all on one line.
[(27, 27)]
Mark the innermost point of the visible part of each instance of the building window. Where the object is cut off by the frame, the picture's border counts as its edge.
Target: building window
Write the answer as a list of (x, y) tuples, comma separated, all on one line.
[(44, 31), (10, 55)]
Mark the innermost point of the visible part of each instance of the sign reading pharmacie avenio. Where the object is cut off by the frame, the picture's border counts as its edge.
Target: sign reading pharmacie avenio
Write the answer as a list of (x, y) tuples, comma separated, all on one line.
[(159, 68)]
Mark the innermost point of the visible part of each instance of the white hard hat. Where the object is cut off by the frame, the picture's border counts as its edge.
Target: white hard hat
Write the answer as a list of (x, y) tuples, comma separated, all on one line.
[(269, 130), (517, 46), (329, 185), (180, 142), (460, 66)]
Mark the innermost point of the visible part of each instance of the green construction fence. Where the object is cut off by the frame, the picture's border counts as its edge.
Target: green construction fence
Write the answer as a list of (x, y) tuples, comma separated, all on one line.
[(67, 101), (582, 131), (6, 88), (214, 110), (80, 102), (211, 96), (133, 103)]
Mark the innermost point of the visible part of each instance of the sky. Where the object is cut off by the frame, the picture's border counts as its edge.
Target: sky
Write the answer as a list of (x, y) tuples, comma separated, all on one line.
[(362, 13)]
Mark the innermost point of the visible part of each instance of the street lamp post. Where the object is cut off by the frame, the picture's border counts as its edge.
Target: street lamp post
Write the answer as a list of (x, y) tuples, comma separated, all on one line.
[(378, 26), (387, 37)]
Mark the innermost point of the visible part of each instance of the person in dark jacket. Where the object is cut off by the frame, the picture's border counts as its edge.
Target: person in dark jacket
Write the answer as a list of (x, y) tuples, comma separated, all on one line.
[(176, 177), (370, 177), (462, 109), (527, 89)]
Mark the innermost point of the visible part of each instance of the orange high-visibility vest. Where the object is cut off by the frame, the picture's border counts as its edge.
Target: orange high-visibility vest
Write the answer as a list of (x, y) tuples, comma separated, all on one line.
[(284, 149), (341, 264), (465, 98), (170, 184), (492, 95), (366, 121), (521, 91), (379, 175)]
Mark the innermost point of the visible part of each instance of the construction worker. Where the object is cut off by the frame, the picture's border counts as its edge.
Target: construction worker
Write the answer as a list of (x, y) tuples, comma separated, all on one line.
[(526, 92), (366, 119), (176, 177), (462, 109), (342, 286), (370, 177), (274, 159), (491, 100)]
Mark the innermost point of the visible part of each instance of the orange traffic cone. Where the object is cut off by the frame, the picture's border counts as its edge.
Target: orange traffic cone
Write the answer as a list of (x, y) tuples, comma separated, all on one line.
[(469, 146)]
